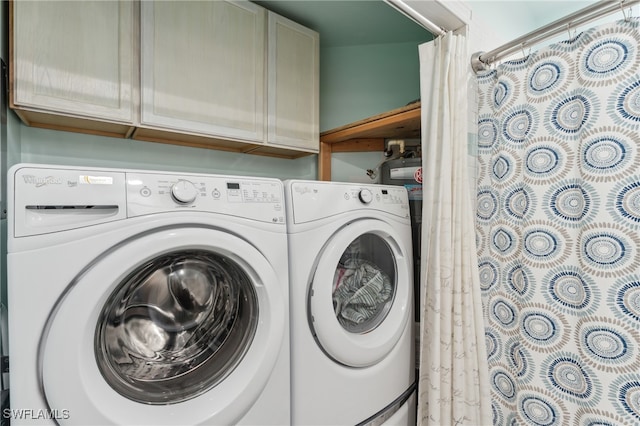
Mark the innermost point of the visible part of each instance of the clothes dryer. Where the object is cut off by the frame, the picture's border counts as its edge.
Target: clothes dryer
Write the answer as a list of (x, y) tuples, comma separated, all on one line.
[(351, 299), (139, 297)]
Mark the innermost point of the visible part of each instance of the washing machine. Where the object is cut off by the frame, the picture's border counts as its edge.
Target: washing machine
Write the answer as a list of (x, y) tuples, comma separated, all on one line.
[(140, 297), (351, 304)]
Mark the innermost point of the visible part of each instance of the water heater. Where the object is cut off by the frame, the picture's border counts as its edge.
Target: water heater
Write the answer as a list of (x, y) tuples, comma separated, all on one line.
[(407, 172)]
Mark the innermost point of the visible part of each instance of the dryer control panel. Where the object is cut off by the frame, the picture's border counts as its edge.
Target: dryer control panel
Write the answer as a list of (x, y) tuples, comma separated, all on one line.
[(314, 200), (261, 199)]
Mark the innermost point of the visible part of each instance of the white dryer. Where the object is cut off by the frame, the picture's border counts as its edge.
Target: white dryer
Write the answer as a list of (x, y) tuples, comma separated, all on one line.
[(140, 297), (351, 281)]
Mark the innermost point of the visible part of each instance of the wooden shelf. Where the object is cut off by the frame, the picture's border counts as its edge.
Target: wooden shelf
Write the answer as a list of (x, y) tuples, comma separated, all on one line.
[(368, 134)]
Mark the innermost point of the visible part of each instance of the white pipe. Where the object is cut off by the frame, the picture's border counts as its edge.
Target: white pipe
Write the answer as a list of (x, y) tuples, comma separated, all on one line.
[(398, 142), (373, 173)]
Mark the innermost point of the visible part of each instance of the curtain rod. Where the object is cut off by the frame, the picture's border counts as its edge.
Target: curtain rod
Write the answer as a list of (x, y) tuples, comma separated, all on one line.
[(417, 17), (481, 60)]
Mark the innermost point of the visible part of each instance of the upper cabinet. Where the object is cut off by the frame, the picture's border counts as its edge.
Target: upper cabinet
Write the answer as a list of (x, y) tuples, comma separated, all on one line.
[(293, 84), (74, 59), (216, 74), (203, 68)]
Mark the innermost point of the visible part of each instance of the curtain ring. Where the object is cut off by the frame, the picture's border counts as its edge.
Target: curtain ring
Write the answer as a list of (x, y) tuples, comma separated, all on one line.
[(571, 37), (626, 18), (524, 55)]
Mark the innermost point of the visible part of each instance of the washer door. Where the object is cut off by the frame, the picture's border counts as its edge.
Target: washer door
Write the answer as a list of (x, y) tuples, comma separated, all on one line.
[(360, 292), (181, 325)]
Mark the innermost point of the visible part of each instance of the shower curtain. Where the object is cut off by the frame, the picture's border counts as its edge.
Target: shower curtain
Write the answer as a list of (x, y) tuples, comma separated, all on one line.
[(452, 385), (558, 230)]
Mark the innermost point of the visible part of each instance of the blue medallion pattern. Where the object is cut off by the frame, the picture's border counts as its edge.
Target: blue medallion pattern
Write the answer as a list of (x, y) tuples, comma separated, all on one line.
[(624, 104), (607, 343), (545, 77), (504, 313), (558, 230), (518, 279), (624, 202), (570, 380), (571, 291), (487, 204), (572, 114), (518, 124), (624, 298), (625, 394), (504, 384), (538, 407), (493, 344), (608, 154), (487, 133), (570, 202), (488, 274)]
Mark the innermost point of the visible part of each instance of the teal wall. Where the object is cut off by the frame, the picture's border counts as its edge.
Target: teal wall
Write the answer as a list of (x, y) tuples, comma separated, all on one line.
[(357, 82), (56, 147)]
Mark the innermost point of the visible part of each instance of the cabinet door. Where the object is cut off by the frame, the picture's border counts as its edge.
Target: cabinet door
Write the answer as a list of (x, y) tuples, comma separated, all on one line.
[(203, 67), (293, 84), (75, 58)]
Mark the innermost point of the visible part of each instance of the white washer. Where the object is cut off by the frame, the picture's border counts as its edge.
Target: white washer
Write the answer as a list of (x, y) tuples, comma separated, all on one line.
[(140, 297), (350, 268)]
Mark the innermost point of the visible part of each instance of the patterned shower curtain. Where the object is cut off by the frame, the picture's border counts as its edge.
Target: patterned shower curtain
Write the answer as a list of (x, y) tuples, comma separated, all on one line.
[(558, 230)]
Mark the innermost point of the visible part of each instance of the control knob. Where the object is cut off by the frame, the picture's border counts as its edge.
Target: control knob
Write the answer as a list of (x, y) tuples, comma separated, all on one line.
[(365, 195), (184, 192)]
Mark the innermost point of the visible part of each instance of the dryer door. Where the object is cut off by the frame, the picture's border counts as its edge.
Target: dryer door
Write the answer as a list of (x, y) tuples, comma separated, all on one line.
[(181, 326), (360, 294)]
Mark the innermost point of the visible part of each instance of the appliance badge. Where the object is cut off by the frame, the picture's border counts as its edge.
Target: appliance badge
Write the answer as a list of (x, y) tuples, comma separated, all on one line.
[(305, 190), (40, 181), (95, 180)]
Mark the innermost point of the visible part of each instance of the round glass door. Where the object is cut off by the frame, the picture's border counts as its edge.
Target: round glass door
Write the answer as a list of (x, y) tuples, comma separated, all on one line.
[(176, 326), (364, 284), (360, 295)]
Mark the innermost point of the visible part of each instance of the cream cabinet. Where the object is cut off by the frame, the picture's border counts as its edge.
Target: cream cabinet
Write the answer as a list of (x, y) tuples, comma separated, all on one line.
[(203, 68), (293, 85), (75, 59), (229, 70), (216, 74)]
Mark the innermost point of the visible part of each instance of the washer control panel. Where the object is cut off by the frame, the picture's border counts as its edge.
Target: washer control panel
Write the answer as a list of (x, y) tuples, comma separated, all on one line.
[(257, 198)]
